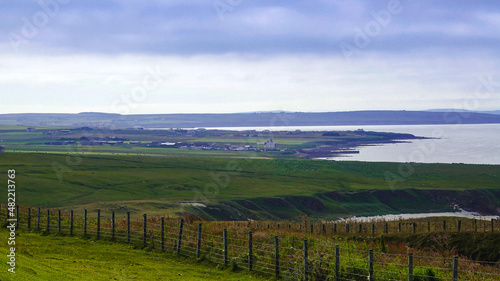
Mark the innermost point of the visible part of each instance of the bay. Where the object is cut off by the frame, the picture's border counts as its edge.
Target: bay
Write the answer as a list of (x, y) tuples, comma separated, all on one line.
[(460, 143)]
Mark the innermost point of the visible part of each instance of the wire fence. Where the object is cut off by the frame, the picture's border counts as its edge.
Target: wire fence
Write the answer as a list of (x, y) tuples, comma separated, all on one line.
[(263, 249)]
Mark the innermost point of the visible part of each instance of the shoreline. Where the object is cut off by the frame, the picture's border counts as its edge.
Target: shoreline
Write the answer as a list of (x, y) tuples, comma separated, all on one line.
[(329, 151)]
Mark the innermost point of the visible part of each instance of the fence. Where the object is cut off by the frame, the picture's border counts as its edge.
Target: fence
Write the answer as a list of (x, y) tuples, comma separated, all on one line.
[(259, 248), (348, 227)]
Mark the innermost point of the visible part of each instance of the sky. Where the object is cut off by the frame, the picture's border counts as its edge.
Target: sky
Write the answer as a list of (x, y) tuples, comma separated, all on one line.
[(222, 56)]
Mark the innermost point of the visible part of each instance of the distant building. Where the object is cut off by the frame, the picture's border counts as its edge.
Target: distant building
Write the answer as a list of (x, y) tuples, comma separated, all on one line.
[(55, 143), (359, 133), (30, 130), (270, 144), (2, 149)]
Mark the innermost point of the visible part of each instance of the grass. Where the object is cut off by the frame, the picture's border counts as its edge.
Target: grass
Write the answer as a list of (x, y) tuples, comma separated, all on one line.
[(16, 138), (74, 258), (134, 150), (282, 140), (156, 185), (61, 257)]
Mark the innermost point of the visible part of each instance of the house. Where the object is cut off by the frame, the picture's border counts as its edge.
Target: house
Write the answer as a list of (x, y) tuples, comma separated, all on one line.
[(270, 144), (54, 143), (2, 149)]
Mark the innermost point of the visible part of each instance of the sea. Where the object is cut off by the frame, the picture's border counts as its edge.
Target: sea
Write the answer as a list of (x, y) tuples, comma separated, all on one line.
[(459, 143)]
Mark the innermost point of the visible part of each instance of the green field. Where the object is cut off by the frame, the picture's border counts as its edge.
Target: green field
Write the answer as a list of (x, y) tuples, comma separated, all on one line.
[(53, 258), (243, 188), (188, 143)]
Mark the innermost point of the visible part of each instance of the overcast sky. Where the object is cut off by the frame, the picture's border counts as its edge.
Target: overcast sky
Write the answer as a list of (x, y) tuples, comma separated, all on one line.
[(187, 56)]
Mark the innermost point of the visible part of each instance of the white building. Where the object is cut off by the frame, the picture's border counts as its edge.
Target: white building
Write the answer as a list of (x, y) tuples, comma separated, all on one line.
[(270, 144)]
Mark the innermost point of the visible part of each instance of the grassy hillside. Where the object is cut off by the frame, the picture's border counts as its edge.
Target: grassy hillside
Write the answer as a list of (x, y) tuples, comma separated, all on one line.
[(239, 188), (72, 258)]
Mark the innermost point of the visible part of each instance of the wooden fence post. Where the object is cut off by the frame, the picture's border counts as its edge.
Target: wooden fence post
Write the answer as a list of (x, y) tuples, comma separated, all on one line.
[(337, 262), (48, 220), (179, 237), (128, 227), (29, 217), (306, 261), (414, 227), (373, 228), (459, 226), (38, 220), (410, 267), (85, 222), (399, 227), (360, 228), (276, 257), (428, 226), (370, 265), (71, 223), (347, 228), (492, 225), (224, 236), (198, 242), (334, 228), (162, 235), (312, 228), (386, 230), (455, 269), (59, 220), (444, 225), (98, 224), (113, 225), (250, 251), (144, 231)]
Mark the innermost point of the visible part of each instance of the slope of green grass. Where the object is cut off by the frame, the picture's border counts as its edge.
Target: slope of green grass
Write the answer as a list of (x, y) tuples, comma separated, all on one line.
[(54, 258), (141, 184)]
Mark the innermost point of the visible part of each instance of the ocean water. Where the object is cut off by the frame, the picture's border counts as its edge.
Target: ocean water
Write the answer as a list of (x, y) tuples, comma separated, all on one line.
[(468, 144)]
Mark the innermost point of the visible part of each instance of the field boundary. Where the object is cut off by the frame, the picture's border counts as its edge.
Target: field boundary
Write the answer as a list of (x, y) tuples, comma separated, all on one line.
[(270, 248)]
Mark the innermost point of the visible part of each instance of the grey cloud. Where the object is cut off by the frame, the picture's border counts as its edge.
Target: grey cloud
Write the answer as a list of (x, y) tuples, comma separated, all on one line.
[(269, 27)]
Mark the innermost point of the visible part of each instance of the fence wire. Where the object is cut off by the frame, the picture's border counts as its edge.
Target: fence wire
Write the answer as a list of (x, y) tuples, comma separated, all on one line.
[(253, 248)]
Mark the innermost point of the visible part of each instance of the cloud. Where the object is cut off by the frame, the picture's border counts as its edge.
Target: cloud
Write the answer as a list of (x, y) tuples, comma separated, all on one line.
[(194, 27), (236, 83), (67, 55)]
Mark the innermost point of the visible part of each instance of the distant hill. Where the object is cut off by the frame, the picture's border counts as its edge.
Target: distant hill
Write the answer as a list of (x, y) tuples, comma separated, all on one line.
[(496, 112), (90, 119)]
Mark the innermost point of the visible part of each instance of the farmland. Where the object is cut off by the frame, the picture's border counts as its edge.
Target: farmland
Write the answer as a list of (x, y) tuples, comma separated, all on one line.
[(274, 192), (239, 189), (434, 248), (193, 142)]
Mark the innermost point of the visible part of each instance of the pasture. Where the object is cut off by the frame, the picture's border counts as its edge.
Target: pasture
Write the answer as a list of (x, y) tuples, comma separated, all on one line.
[(245, 188)]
